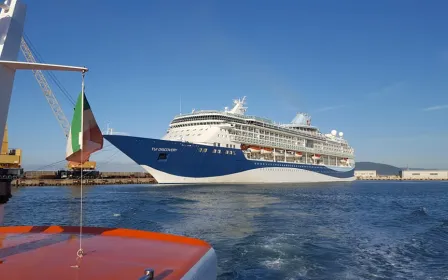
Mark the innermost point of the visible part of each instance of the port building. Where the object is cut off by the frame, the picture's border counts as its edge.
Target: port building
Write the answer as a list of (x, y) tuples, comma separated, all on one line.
[(424, 174), (361, 174)]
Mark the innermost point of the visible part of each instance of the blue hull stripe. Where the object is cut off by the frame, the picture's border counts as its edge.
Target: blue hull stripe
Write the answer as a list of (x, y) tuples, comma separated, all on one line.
[(185, 159)]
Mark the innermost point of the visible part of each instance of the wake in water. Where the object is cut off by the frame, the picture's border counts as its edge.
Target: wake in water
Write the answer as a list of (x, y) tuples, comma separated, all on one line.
[(356, 231)]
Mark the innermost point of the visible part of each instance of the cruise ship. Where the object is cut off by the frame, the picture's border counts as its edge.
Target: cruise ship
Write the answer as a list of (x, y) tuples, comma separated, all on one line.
[(231, 147)]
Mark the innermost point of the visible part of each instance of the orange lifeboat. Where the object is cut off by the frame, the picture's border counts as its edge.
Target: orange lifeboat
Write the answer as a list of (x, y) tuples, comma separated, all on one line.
[(298, 154), (316, 156), (254, 149), (266, 150)]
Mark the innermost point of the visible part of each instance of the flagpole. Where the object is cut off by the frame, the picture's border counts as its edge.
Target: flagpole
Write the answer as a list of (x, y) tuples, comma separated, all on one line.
[(80, 252)]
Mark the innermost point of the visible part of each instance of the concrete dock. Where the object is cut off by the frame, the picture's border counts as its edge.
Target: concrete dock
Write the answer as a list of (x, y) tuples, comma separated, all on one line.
[(395, 178), (73, 182)]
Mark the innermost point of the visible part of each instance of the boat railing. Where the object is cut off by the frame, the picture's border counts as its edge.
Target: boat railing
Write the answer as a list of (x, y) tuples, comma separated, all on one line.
[(247, 117), (269, 123), (253, 141)]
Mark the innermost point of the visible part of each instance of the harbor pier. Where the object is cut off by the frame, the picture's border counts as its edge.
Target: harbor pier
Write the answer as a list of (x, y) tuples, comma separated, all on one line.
[(53, 178), (23, 182)]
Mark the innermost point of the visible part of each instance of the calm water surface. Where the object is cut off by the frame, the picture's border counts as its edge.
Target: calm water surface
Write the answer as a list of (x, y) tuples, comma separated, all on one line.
[(360, 230)]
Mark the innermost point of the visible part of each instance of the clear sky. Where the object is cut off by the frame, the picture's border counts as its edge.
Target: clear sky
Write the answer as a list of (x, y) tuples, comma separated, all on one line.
[(376, 70)]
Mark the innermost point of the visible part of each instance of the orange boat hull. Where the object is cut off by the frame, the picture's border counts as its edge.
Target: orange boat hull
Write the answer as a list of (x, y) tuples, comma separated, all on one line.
[(49, 252)]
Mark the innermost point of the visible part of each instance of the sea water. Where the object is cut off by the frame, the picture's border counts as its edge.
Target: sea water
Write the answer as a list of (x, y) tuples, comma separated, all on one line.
[(359, 230)]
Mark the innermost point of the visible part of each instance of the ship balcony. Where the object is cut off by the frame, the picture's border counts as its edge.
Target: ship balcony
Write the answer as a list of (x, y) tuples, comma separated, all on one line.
[(254, 141)]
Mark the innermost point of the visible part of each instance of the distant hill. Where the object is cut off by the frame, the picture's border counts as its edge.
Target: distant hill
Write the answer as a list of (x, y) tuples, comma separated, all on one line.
[(381, 169)]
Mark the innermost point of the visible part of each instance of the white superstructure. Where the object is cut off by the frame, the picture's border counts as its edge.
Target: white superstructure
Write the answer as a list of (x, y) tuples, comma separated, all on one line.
[(262, 139)]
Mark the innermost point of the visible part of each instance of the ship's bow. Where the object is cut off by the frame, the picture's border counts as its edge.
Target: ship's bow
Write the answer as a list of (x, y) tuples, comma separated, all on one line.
[(151, 154)]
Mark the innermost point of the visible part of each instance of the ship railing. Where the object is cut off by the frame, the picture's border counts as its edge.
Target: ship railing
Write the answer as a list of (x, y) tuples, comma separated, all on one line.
[(294, 133), (252, 141), (265, 120), (266, 123)]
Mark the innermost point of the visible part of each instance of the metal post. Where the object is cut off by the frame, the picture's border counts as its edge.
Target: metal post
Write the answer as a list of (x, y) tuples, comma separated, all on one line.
[(5, 195)]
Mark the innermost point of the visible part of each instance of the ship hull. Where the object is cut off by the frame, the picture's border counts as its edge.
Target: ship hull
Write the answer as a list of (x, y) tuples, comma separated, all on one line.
[(174, 162)]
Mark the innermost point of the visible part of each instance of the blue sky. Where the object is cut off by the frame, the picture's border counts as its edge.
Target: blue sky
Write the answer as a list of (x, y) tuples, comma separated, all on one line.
[(376, 70)]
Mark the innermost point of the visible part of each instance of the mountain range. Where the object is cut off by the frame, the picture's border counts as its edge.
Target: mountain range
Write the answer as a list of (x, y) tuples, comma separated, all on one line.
[(382, 169)]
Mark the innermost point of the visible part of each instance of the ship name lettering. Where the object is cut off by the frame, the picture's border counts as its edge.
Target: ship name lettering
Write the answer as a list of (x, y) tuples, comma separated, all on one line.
[(154, 149)]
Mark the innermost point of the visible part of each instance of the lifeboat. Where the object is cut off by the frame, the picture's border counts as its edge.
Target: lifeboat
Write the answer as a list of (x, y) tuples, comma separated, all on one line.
[(47, 253), (278, 154), (254, 149), (316, 156), (298, 155), (266, 150), (344, 160), (289, 154)]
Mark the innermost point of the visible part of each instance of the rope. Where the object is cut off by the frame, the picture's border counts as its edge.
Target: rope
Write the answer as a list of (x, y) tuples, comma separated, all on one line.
[(50, 73), (49, 165), (40, 168)]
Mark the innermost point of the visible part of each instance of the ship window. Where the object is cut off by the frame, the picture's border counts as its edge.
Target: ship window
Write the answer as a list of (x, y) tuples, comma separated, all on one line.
[(205, 150), (200, 149), (162, 156)]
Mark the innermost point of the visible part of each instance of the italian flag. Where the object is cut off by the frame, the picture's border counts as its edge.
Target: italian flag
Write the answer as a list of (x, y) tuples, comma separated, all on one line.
[(85, 136)]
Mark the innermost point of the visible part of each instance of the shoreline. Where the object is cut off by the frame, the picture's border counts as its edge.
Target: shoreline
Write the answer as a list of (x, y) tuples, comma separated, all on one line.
[(386, 178), (134, 181), (76, 182)]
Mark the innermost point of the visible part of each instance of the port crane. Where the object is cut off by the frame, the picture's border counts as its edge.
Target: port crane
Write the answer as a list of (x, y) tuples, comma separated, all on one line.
[(9, 158), (54, 104)]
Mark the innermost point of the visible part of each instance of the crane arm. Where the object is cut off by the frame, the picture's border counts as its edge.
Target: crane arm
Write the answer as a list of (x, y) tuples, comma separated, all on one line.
[(54, 104)]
